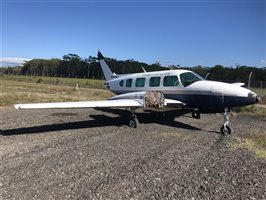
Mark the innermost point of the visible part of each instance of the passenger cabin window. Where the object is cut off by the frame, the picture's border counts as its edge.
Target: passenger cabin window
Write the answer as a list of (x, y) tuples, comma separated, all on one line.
[(140, 82), (188, 78), (169, 81), (155, 81), (121, 83), (128, 82)]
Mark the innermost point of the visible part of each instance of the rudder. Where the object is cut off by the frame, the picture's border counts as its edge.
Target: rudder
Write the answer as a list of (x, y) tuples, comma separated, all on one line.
[(106, 70)]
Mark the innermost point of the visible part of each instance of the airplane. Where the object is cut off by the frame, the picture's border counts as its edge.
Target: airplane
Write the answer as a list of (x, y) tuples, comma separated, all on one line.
[(159, 89)]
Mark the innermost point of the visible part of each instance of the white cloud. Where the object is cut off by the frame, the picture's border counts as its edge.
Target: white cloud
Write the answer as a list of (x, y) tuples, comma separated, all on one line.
[(263, 61), (13, 61)]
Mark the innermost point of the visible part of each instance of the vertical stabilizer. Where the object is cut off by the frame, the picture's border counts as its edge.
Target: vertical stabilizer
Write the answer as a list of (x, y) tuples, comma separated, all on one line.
[(106, 70)]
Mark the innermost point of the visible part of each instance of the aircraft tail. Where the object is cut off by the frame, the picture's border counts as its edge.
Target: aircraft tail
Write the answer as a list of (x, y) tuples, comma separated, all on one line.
[(106, 70)]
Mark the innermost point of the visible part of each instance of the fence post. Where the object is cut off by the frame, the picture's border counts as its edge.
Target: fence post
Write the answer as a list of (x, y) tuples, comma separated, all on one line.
[(249, 79)]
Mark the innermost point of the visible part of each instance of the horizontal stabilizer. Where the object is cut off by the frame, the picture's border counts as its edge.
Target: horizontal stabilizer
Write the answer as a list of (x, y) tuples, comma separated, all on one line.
[(238, 84)]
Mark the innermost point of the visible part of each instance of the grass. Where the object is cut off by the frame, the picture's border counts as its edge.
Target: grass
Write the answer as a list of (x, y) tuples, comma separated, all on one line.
[(56, 80), (13, 92), (256, 110), (254, 142), (262, 93)]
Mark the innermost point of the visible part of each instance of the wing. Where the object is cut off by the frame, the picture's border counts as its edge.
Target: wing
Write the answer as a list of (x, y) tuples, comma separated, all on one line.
[(134, 99), (83, 104)]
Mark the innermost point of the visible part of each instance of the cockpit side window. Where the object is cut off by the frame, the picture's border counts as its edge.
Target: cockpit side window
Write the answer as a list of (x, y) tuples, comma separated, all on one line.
[(128, 82), (170, 81), (121, 83), (187, 78)]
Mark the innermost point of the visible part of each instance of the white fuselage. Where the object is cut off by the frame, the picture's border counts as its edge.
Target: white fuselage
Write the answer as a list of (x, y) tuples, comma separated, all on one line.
[(185, 86)]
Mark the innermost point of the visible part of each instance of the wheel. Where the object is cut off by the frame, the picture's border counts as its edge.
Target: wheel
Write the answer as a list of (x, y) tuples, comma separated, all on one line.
[(226, 130), (196, 114), (134, 123)]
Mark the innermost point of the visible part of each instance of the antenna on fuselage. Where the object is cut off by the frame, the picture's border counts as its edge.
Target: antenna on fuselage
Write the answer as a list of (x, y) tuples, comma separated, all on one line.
[(207, 76), (143, 69)]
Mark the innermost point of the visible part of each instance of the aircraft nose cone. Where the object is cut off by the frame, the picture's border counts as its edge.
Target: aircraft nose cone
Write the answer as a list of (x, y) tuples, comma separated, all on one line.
[(257, 99), (253, 97)]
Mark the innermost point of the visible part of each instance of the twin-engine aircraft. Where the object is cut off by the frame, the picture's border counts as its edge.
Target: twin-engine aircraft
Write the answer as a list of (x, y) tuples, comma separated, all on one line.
[(170, 88)]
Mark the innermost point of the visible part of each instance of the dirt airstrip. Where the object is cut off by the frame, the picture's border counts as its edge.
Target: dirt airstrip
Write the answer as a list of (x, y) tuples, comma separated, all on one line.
[(93, 154)]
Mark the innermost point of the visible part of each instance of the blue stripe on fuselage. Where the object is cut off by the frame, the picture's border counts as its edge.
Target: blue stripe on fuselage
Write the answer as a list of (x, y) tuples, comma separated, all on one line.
[(210, 101), (204, 101)]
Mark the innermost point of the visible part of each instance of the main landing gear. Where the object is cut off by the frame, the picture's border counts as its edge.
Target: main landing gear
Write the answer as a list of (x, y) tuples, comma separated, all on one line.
[(133, 121), (225, 129)]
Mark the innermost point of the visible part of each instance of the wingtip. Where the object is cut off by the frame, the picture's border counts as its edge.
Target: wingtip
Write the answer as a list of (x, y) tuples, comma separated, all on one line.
[(17, 106)]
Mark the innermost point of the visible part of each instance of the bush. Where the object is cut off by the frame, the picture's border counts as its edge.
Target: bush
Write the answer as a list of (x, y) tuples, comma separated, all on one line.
[(39, 80), (245, 109)]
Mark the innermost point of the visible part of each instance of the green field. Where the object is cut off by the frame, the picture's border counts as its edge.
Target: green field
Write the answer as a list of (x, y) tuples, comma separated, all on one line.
[(90, 83), (13, 92), (262, 93)]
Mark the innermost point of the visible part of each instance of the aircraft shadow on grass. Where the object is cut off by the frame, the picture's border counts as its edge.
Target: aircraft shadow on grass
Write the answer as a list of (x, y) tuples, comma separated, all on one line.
[(100, 120)]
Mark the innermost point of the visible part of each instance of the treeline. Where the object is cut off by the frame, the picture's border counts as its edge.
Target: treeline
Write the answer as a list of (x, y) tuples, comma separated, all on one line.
[(73, 66)]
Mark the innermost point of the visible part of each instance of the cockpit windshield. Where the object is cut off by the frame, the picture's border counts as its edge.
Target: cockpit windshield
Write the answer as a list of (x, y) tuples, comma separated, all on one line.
[(187, 78)]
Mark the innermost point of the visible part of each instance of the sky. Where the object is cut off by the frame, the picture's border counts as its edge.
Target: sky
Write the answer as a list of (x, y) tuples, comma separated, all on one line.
[(171, 32)]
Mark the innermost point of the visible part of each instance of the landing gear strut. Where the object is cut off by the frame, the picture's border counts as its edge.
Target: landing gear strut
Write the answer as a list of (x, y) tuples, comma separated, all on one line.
[(225, 129), (133, 122), (196, 114)]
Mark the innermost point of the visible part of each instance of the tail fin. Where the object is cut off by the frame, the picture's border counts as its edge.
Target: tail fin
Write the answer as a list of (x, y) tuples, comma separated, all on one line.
[(106, 70)]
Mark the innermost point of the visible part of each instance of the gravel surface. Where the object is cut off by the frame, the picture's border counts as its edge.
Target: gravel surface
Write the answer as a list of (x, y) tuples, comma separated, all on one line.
[(93, 154)]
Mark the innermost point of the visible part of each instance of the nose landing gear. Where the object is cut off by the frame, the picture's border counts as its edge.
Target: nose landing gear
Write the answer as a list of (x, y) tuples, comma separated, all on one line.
[(225, 129), (196, 114)]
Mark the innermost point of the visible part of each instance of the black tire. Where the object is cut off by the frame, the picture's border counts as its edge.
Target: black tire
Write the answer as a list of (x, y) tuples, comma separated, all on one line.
[(226, 130), (133, 123), (196, 114)]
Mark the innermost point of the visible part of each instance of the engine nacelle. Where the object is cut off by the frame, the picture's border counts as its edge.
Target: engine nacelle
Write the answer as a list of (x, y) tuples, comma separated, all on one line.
[(151, 99), (154, 99)]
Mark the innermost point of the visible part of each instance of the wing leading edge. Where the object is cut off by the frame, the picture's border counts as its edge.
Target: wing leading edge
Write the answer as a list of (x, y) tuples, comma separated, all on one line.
[(134, 99), (119, 103), (83, 104)]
